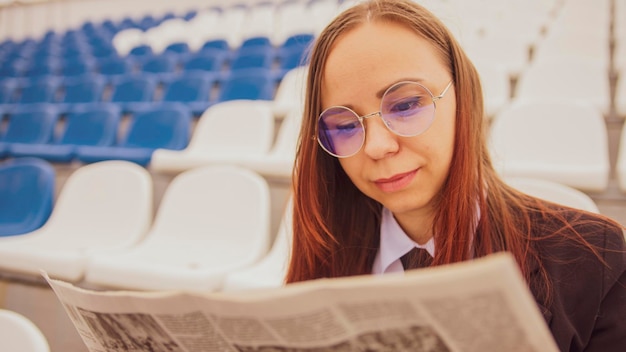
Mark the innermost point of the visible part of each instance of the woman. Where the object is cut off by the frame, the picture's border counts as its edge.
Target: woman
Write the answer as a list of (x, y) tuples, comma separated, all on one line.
[(392, 156)]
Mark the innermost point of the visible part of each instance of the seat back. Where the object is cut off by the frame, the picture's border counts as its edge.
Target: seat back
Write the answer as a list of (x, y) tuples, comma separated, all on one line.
[(209, 60), (290, 91), (252, 84), (125, 40), (19, 333), (272, 269), (235, 127), (189, 88), (31, 125), (85, 90), (133, 89), (165, 126), (551, 78), (95, 125), (216, 43), (217, 203), (287, 138), (554, 192), (114, 66), (26, 195), (46, 67), (253, 58), (159, 64), (7, 90), (76, 67), (560, 141), (37, 91), (102, 205)]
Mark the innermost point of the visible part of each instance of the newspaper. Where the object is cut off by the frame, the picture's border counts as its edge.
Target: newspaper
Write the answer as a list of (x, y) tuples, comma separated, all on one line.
[(477, 306)]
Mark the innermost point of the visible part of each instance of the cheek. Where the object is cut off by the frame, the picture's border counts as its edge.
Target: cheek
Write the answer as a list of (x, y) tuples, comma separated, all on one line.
[(353, 168)]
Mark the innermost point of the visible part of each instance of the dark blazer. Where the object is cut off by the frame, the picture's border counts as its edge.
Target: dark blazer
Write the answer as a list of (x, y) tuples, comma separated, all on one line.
[(587, 310)]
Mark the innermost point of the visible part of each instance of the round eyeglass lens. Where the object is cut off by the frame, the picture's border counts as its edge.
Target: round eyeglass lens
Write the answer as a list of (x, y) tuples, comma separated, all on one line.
[(340, 132), (408, 109)]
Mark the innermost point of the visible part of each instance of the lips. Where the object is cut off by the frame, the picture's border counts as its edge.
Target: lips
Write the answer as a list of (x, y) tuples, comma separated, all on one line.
[(396, 182)]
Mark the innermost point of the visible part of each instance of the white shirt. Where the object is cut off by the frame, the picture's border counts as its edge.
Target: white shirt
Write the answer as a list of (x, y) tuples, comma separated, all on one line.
[(394, 243)]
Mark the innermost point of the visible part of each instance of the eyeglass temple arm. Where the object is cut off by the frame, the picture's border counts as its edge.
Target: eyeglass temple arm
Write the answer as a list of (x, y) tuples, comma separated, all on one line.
[(444, 92)]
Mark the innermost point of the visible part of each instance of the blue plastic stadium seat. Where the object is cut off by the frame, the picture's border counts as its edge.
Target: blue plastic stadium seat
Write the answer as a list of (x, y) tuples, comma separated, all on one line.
[(192, 89), (290, 58), (132, 92), (141, 51), (302, 41), (7, 90), (177, 48), (165, 125), (147, 22), (80, 90), (26, 195), (253, 84), (12, 66), (50, 66), (162, 65), (114, 66), (90, 125), (220, 44), (76, 67), (29, 125), (206, 60), (256, 43), (37, 90), (253, 58), (103, 49)]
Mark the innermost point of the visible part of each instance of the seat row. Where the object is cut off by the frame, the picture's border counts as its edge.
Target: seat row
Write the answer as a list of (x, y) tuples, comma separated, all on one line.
[(233, 24), (198, 90), (213, 57), (211, 221), (91, 134)]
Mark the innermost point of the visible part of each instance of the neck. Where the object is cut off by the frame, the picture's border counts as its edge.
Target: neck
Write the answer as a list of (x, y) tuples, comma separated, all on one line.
[(417, 226)]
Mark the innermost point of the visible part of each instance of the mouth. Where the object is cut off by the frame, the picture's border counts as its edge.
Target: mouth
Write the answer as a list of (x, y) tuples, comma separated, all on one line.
[(396, 182)]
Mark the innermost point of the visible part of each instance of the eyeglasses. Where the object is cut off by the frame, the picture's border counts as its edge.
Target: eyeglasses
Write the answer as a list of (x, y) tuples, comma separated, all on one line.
[(407, 109)]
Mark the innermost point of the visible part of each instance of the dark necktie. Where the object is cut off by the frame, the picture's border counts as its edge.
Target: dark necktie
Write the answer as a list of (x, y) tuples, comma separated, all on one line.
[(416, 258)]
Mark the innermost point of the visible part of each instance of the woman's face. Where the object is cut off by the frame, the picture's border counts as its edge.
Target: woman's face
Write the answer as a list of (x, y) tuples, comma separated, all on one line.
[(404, 174)]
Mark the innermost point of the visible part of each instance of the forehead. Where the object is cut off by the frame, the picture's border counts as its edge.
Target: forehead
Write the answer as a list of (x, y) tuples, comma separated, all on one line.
[(374, 55)]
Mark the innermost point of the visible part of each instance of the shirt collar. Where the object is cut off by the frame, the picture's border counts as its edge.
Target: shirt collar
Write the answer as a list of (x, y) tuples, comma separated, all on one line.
[(394, 243)]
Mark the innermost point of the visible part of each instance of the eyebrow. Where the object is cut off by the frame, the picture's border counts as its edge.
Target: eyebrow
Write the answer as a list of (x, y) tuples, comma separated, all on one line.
[(380, 93)]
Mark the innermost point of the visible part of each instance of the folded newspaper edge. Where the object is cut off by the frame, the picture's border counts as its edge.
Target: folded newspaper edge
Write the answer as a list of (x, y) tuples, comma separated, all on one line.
[(479, 305)]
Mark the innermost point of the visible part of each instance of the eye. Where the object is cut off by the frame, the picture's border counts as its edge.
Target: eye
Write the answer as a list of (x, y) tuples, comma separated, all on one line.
[(406, 106), (347, 128)]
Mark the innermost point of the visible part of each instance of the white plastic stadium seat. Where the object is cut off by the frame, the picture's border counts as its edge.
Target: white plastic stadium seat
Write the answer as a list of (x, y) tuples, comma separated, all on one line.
[(290, 92), (127, 39), (554, 80), (225, 132), (496, 86), (278, 162), (102, 206), (20, 334), (272, 269), (564, 142), (212, 220), (554, 192)]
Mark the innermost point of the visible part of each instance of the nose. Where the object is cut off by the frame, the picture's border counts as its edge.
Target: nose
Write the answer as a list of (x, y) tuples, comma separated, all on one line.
[(379, 140)]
